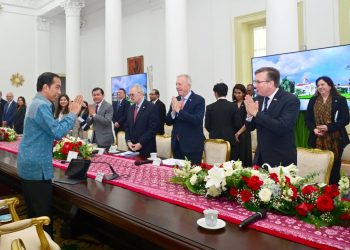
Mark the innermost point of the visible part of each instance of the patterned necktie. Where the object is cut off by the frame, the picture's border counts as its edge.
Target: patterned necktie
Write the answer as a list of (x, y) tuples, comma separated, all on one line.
[(135, 112), (266, 101)]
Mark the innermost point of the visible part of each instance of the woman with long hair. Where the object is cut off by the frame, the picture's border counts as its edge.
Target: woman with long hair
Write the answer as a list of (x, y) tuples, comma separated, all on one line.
[(20, 114), (326, 117), (243, 137), (62, 107)]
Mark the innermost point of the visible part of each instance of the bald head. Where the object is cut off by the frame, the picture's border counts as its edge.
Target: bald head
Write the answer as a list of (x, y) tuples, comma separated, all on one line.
[(9, 96)]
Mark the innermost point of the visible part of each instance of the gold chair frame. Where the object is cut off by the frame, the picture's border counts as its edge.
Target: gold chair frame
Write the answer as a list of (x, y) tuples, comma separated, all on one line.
[(319, 151), (219, 141)]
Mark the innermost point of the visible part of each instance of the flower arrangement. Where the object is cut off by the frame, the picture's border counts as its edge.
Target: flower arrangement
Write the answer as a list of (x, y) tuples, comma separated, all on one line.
[(276, 189), (7, 134), (70, 143)]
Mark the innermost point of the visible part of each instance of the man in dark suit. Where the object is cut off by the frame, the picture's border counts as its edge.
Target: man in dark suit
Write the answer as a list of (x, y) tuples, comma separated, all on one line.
[(154, 97), (186, 115), (222, 118), (120, 110), (9, 111), (273, 115), (141, 123), (2, 105)]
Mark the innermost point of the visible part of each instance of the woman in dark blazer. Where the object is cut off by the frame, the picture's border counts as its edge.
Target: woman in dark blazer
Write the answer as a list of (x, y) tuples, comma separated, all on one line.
[(19, 115), (326, 117)]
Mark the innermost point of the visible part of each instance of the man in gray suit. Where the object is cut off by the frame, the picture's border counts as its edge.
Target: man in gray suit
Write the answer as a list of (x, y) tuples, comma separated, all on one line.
[(100, 115)]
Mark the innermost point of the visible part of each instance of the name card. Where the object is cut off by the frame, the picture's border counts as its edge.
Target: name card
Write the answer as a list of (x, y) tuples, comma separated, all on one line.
[(72, 155), (156, 162), (99, 176)]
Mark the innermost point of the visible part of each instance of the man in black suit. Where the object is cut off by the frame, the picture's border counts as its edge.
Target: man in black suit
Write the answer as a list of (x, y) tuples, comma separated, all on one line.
[(186, 115), (154, 97), (120, 110), (2, 105), (141, 124), (222, 118), (273, 115)]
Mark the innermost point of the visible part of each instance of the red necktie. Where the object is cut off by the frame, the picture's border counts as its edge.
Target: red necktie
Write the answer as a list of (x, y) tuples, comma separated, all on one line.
[(96, 108), (182, 103), (135, 112)]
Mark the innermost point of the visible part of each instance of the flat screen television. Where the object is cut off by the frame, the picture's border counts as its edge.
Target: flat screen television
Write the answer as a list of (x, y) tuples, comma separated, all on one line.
[(127, 82), (299, 70)]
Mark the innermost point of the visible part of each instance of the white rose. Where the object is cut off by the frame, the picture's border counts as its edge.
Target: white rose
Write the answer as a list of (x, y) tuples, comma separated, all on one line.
[(228, 172), (223, 185), (227, 165), (193, 179), (213, 191), (265, 195), (195, 170)]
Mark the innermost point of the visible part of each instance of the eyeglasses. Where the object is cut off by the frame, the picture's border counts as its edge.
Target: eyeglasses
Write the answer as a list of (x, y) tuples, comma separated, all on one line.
[(132, 94), (257, 81)]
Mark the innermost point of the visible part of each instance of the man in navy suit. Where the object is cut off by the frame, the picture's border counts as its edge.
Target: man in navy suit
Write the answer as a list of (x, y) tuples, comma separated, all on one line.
[(120, 109), (273, 115), (186, 115), (9, 111), (154, 97), (141, 123)]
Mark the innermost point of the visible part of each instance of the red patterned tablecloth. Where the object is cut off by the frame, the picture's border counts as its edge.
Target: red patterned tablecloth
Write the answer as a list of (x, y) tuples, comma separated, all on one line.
[(153, 181)]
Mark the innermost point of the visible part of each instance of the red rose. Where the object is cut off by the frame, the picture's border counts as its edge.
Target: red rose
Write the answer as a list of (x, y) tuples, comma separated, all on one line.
[(304, 208), (331, 190), (324, 203), (233, 192), (254, 183), (274, 177), (287, 179), (255, 167), (245, 179), (345, 216), (55, 143), (245, 195), (79, 143), (6, 136), (206, 166), (66, 148), (309, 189)]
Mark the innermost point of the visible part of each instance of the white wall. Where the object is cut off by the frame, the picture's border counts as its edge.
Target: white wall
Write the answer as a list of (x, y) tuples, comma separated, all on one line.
[(17, 52)]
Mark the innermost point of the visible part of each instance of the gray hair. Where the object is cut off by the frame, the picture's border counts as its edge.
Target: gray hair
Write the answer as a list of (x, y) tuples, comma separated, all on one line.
[(189, 79), (138, 88)]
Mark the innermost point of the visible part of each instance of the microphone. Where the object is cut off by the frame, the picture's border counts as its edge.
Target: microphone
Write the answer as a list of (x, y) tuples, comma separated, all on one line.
[(255, 217), (112, 176), (138, 163)]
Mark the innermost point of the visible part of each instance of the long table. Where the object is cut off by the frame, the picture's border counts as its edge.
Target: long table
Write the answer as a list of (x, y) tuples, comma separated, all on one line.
[(162, 223)]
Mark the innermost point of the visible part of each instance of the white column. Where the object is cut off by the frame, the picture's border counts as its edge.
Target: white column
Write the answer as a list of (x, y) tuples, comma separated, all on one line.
[(42, 46), (72, 9), (282, 25), (176, 44), (113, 44)]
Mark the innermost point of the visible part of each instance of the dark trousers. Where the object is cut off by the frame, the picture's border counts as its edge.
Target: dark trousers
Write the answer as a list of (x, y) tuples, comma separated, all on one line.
[(194, 157), (335, 174), (38, 198)]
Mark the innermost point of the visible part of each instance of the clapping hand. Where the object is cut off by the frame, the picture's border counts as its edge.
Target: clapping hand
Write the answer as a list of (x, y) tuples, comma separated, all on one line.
[(251, 107), (175, 104), (75, 106), (92, 110)]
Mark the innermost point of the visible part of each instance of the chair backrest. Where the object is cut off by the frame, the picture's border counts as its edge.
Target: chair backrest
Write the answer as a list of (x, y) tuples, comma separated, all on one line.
[(121, 141), (216, 151), (163, 146), (346, 154), (206, 133), (254, 140), (168, 130), (315, 160)]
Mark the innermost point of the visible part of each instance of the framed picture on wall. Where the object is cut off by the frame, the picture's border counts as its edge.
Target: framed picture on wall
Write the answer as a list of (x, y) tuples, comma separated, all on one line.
[(135, 65)]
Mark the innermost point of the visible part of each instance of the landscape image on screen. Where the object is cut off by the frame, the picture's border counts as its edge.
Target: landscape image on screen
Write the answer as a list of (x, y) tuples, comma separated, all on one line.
[(126, 82), (299, 70)]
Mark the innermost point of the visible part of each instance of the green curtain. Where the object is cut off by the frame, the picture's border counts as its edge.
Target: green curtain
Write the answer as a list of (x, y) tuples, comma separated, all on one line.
[(301, 131)]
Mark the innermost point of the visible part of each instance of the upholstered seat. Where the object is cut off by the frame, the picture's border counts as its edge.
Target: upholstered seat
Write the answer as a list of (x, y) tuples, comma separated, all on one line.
[(315, 160), (164, 146), (121, 141), (30, 231), (254, 141), (345, 161), (168, 130), (216, 151)]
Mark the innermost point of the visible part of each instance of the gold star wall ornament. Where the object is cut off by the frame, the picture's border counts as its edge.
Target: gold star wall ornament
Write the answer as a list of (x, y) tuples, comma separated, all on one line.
[(17, 80)]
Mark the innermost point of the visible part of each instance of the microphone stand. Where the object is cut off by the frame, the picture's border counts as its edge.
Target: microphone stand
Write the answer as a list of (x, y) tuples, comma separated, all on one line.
[(112, 176)]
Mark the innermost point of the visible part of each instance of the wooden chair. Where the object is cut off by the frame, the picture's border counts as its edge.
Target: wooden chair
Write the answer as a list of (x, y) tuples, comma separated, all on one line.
[(345, 161), (315, 160), (216, 151), (121, 141), (164, 146), (24, 234)]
